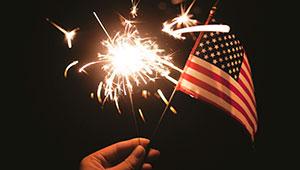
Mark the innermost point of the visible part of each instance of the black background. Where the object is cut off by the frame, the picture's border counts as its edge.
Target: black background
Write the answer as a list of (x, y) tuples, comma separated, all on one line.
[(54, 123)]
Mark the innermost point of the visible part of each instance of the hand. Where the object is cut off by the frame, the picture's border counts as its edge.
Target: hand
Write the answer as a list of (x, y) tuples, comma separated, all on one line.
[(125, 155)]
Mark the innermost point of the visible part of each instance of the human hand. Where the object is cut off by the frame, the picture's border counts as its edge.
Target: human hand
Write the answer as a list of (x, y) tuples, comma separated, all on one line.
[(125, 155)]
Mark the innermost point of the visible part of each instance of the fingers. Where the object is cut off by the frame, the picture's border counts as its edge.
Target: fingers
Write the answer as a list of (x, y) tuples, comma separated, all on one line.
[(133, 160), (136, 158), (135, 148), (121, 149), (147, 166), (152, 155)]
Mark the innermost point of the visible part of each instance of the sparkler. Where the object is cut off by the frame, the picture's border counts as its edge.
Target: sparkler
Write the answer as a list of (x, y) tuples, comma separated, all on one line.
[(184, 23), (130, 61), (184, 19), (69, 35)]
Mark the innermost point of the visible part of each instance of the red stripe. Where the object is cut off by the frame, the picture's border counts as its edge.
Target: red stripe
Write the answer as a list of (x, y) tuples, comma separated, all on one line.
[(247, 91), (219, 93), (200, 97), (242, 71), (240, 96), (223, 81)]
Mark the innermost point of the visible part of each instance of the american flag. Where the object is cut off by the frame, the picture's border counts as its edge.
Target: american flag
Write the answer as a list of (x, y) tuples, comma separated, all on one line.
[(218, 72)]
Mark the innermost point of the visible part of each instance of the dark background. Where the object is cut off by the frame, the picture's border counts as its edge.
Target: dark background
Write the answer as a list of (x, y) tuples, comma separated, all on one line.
[(54, 123)]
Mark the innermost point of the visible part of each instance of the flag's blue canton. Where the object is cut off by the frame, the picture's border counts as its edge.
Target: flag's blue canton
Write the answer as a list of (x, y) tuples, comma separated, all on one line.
[(223, 50)]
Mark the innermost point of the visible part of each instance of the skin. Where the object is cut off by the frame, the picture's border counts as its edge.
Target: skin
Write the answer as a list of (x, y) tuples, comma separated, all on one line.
[(125, 155)]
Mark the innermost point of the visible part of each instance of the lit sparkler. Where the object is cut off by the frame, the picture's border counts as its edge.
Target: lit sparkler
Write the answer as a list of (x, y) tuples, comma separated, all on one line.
[(130, 61), (69, 35), (184, 19), (185, 24)]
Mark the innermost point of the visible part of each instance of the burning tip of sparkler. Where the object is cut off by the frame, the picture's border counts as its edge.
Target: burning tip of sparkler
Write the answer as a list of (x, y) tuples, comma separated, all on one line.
[(130, 60), (182, 20), (184, 23)]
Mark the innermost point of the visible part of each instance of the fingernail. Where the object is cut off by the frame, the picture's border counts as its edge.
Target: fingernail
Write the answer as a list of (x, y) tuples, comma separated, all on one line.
[(139, 151), (147, 141)]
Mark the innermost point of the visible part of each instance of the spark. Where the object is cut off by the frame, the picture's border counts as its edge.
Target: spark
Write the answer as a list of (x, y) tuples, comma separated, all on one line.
[(130, 61), (184, 19), (142, 115), (185, 24), (171, 79), (127, 23), (134, 8), (99, 92), (69, 35), (92, 95), (145, 93), (68, 67), (162, 96)]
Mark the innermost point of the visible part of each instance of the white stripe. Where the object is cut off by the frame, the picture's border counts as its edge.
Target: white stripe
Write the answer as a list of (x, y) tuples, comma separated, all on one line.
[(223, 74), (212, 97), (223, 89)]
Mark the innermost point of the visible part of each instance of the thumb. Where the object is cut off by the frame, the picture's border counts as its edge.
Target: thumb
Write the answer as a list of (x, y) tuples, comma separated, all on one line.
[(133, 161)]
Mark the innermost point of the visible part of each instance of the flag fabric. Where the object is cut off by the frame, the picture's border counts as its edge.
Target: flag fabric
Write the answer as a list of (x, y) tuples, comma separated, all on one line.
[(218, 72)]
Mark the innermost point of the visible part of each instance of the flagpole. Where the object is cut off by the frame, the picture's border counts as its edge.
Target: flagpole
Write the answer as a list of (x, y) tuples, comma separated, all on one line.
[(209, 18)]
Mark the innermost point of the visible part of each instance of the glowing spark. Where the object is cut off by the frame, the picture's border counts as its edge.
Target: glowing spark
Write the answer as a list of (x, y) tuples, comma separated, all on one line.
[(134, 8), (69, 35), (162, 96), (92, 95), (184, 19), (171, 79), (68, 67), (99, 92), (145, 94), (102, 26), (127, 23), (142, 115), (185, 24), (130, 61)]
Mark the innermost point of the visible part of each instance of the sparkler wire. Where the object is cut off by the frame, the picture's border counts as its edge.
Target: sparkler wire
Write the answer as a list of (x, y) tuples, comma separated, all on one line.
[(129, 89)]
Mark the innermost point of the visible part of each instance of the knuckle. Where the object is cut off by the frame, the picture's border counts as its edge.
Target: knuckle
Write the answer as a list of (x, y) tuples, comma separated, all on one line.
[(129, 164)]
